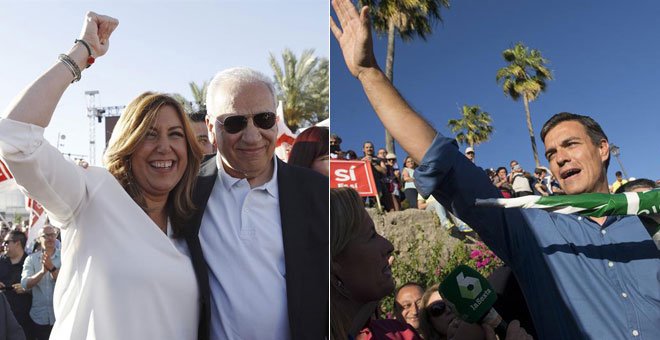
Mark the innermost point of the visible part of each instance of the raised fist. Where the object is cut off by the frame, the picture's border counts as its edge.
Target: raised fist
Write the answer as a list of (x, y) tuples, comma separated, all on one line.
[(96, 32)]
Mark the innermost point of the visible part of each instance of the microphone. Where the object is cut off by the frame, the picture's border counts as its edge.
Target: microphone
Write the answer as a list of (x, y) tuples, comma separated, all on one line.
[(472, 298)]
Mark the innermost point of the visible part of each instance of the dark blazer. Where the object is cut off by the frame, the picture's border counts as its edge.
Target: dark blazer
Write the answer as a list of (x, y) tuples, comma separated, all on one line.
[(9, 327), (304, 211)]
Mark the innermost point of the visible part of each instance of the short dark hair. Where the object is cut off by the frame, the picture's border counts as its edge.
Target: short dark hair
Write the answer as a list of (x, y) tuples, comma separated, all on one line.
[(638, 183), (335, 137), (17, 235), (501, 168), (595, 132), (618, 174), (397, 307), (199, 116)]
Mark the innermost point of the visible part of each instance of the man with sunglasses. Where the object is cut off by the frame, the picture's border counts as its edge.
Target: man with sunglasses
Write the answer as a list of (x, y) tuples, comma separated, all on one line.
[(259, 239), (11, 266), (39, 274)]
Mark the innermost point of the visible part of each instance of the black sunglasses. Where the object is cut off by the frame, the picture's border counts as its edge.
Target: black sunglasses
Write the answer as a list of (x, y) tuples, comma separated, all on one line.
[(436, 309), (4, 243), (235, 124)]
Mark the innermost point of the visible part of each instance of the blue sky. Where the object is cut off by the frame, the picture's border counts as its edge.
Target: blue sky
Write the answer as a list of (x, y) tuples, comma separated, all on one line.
[(158, 46), (605, 58)]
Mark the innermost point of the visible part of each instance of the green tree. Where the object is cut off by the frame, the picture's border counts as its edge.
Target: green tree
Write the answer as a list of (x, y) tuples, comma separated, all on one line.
[(302, 84), (409, 18), (524, 77), (199, 97), (474, 127)]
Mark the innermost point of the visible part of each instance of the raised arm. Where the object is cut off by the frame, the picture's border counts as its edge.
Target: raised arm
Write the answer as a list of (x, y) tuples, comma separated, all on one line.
[(354, 36), (36, 104), (39, 168), (444, 171)]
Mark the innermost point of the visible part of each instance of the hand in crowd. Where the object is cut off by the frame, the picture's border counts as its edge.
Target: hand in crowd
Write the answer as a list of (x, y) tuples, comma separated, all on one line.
[(354, 36), (18, 288), (46, 262), (96, 32), (513, 332), (82, 163)]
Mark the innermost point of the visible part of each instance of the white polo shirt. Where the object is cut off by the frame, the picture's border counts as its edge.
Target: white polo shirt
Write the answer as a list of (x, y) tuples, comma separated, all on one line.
[(241, 237)]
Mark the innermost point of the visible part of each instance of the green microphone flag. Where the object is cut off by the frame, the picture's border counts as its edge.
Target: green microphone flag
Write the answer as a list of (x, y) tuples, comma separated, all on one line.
[(469, 293)]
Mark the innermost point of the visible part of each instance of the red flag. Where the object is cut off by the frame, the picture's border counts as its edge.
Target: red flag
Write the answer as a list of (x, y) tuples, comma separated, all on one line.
[(35, 209), (7, 181), (354, 174), (37, 220)]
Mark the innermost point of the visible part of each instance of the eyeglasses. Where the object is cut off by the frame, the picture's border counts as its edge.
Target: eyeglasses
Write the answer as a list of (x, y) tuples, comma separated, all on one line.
[(436, 309), (237, 123), (391, 160), (53, 235), (6, 242)]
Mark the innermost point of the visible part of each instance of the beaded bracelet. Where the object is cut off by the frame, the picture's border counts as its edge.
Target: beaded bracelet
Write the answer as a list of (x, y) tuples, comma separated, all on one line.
[(71, 65), (90, 58)]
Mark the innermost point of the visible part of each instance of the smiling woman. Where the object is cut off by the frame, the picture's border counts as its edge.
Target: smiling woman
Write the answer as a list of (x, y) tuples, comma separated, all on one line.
[(129, 211), (360, 272), (149, 153)]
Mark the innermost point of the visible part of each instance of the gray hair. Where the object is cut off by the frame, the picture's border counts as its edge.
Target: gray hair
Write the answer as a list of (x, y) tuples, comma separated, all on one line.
[(233, 79)]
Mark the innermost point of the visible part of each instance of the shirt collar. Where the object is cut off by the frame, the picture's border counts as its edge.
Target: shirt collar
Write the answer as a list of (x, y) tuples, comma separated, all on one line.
[(55, 255), (230, 182)]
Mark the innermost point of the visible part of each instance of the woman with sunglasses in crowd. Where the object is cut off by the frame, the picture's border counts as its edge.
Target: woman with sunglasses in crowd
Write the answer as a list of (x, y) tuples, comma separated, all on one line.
[(360, 273), (438, 322), (435, 315), (123, 274)]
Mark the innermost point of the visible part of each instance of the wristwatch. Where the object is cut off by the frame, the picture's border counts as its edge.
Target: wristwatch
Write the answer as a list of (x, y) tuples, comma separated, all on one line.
[(52, 270)]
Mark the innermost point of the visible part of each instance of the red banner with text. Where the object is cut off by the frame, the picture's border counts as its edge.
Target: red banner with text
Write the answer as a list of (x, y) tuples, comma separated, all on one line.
[(354, 174)]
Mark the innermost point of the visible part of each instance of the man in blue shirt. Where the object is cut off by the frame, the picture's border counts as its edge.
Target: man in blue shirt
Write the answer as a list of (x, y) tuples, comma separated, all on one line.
[(582, 277), (39, 274)]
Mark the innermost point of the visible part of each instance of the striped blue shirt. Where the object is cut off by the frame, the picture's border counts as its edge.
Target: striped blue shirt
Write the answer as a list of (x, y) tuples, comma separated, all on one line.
[(580, 279)]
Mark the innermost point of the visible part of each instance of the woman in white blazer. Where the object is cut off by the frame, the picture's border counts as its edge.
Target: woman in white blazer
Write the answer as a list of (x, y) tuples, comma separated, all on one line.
[(124, 273)]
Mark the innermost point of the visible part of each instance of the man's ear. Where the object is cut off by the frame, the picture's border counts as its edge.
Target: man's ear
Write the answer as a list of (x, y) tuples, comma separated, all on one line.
[(604, 150), (210, 127)]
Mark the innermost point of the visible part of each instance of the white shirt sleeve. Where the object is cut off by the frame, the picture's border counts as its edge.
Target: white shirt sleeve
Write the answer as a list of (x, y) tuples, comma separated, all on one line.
[(41, 171)]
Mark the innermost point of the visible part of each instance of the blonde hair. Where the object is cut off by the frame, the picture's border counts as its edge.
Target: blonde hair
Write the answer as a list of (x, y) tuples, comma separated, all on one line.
[(346, 213), (425, 326), (132, 127)]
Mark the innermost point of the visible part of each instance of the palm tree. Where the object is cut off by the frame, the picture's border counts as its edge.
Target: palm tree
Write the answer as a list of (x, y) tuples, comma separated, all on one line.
[(525, 76), (410, 18), (198, 104), (302, 84), (199, 94), (474, 127)]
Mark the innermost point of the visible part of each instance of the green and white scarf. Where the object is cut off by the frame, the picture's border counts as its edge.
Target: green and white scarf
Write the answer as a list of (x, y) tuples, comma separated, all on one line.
[(591, 204)]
